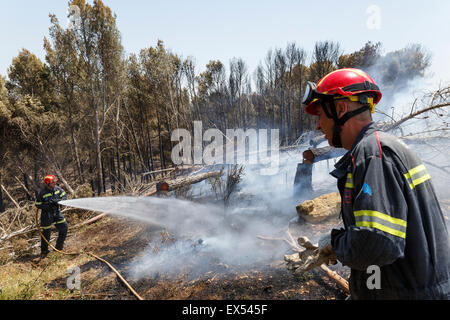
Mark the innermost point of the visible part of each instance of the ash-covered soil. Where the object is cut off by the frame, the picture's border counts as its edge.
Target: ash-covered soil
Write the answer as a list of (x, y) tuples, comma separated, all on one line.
[(121, 241)]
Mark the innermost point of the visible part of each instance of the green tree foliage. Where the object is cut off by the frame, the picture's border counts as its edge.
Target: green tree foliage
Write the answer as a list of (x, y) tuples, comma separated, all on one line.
[(5, 117), (363, 58), (5, 113), (28, 75), (34, 124)]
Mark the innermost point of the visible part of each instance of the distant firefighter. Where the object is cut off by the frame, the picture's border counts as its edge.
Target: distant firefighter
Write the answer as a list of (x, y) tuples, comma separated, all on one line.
[(48, 201)]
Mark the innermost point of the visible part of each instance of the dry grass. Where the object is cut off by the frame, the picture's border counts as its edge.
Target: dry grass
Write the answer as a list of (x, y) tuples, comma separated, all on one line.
[(25, 281), (23, 276)]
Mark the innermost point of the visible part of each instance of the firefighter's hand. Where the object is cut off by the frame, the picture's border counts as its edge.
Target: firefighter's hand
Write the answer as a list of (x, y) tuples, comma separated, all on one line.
[(313, 255), (53, 201)]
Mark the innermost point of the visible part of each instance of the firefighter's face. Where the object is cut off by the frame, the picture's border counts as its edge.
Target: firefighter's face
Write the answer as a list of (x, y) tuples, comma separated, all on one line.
[(51, 184), (325, 124)]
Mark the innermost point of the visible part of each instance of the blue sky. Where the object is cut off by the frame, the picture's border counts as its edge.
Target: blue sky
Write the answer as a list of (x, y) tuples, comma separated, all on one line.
[(225, 29)]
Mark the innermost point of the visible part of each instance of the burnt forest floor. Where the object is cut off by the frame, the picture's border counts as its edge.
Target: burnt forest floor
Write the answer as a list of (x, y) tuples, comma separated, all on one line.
[(120, 241)]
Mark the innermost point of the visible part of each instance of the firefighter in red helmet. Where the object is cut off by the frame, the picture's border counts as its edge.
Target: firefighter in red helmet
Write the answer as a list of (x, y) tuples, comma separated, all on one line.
[(392, 219), (47, 200)]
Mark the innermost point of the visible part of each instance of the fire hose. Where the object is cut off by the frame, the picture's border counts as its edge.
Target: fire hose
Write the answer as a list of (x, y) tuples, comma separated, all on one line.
[(90, 254)]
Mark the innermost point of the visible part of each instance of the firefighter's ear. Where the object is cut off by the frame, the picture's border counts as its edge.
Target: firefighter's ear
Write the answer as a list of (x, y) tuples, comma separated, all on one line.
[(341, 108)]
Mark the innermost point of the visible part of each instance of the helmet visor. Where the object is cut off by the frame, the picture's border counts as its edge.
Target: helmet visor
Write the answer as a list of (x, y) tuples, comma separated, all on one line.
[(312, 94), (309, 91)]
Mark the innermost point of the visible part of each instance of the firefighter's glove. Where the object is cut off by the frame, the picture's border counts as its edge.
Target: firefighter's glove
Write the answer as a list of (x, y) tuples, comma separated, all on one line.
[(313, 255), (326, 249), (53, 201)]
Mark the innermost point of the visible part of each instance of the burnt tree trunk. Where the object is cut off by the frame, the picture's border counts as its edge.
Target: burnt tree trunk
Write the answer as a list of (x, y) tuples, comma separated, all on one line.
[(98, 153), (2, 205), (184, 181), (161, 148), (133, 132), (103, 177), (111, 174)]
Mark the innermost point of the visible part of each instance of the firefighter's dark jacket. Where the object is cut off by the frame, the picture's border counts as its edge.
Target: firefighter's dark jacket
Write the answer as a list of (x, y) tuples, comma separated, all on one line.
[(57, 194), (392, 220)]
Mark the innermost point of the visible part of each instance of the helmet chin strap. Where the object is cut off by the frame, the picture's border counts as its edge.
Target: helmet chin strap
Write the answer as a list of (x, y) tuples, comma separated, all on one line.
[(330, 111), (337, 142)]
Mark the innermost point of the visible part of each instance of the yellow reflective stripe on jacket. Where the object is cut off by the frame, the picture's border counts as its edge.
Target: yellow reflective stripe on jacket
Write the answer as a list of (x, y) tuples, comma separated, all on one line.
[(47, 195), (57, 191), (38, 203), (59, 222), (62, 194), (349, 182), (417, 175), (380, 215), (376, 225), (381, 221)]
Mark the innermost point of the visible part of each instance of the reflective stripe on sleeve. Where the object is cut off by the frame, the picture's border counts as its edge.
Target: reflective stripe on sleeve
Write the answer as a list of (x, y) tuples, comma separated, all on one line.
[(62, 194), (61, 221), (416, 176), (381, 221), (47, 195)]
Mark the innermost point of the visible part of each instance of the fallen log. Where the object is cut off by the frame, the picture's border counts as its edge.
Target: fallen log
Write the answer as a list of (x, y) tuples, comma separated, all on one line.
[(16, 233), (183, 181), (91, 221)]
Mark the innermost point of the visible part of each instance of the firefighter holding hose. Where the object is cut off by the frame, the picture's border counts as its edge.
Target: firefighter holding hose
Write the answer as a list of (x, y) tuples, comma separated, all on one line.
[(47, 200), (391, 215)]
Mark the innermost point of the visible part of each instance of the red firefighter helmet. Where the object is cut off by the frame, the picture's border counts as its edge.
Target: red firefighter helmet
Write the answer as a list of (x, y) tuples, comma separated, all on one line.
[(50, 178), (343, 83)]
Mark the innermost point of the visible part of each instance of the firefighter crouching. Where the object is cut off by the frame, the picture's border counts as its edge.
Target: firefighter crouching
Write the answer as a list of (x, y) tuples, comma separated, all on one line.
[(47, 200), (392, 218)]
